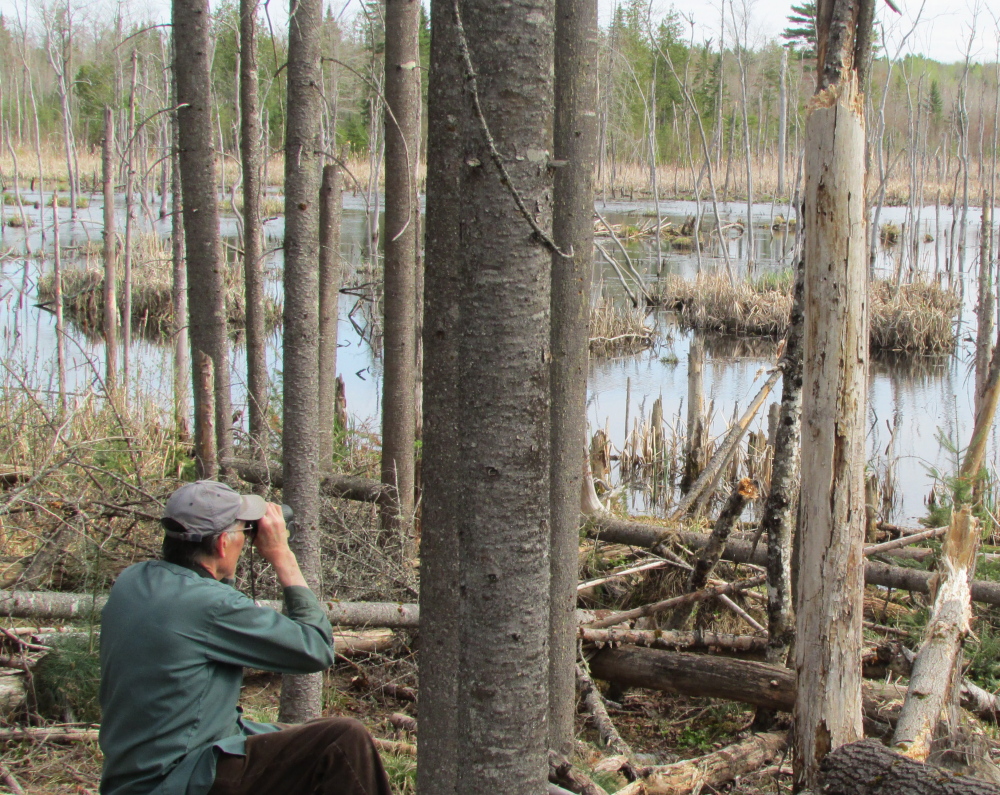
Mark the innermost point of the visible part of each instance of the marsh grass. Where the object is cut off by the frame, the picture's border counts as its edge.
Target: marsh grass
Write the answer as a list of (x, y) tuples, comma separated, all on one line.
[(618, 330), (152, 310), (916, 318)]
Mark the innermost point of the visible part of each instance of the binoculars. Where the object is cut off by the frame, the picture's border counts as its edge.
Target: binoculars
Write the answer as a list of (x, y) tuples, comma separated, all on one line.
[(289, 516)]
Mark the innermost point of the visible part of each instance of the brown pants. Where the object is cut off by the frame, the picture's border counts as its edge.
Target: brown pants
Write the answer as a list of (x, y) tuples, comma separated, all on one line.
[(329, 756)]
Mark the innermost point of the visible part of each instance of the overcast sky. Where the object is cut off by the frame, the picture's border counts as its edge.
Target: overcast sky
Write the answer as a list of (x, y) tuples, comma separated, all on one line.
[(942, 32)]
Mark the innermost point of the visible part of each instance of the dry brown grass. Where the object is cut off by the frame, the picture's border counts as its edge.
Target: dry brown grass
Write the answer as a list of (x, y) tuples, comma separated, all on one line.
[(916, 318), (152, 311), (618, 330)]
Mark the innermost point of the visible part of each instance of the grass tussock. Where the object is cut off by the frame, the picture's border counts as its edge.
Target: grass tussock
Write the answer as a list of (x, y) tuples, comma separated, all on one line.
[(916, 318), (618, 330), (152, 311)]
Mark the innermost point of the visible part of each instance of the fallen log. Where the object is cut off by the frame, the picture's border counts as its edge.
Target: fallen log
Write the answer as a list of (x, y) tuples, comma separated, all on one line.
[(58, 734), (650, 536), (711, 770), (746, 681), (869, 768), (563, 773), (674, 639), (594, 704), (934, 665), (64, 606), (345, 487)]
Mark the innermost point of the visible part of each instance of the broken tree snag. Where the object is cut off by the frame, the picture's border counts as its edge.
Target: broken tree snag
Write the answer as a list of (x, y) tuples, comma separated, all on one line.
[(744, 492), (868, 768), (711, 770), (934, 666), (831, 569)]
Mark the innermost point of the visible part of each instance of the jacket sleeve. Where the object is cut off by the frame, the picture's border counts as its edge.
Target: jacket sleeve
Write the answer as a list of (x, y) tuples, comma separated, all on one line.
[(241, 632)]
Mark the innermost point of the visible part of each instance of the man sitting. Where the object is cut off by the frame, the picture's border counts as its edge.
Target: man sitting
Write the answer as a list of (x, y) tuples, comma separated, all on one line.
[(175, 636)]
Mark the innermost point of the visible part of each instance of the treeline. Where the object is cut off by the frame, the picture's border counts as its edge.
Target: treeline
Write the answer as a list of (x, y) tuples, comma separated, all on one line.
[(673, 98)]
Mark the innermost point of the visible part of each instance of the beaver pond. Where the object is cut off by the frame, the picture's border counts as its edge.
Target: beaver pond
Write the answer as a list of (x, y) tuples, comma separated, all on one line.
[(920, 406)]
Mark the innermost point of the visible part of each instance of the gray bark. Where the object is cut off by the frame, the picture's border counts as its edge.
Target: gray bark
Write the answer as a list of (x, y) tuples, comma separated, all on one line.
[(575, 137), (301, 696), (402, 210), (253, 259), (206, 297), (329, 295), (178, 290), (781, 505), (868, 768), (110, 254), (830, 583), (484, 652)]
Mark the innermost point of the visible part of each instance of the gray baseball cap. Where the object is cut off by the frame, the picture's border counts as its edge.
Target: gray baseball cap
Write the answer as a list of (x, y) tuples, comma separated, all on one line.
[(206, 508)]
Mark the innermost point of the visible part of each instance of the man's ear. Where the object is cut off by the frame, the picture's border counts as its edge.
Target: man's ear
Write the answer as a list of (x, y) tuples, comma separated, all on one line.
[(219, 545)]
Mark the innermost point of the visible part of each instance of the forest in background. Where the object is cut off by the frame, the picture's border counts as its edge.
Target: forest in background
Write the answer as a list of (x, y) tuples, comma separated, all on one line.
[(668, 93)]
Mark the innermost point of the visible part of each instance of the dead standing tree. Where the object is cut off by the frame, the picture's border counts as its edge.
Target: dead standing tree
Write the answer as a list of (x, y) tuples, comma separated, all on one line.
[(484, 557), (832, 511)]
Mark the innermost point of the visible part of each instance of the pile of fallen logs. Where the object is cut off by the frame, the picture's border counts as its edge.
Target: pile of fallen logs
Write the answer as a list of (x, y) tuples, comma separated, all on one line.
[(652, 646)]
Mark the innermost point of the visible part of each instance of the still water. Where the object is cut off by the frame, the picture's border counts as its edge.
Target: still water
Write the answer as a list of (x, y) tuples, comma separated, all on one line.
[(919, 408)]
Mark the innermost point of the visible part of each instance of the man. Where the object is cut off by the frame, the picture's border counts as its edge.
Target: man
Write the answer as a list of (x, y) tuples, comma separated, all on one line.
[(175, 636)]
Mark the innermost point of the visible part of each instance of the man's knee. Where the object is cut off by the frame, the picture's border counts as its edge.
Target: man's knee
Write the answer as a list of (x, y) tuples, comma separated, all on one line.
[(345, 732)]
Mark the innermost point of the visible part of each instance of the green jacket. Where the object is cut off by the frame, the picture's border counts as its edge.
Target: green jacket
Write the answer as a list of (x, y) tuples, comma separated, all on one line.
[(173, 645)]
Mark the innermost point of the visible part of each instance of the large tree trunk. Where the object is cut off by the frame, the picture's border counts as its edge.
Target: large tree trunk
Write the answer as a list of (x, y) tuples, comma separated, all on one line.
[(402, 216), (572, 230), (329, 298), (301, 696), (868, 768), (253, 258), (832, 511), (484, 645), (205, 268)]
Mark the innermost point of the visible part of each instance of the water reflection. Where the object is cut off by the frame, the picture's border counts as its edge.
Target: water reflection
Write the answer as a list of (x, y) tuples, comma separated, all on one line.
[(921, 405)]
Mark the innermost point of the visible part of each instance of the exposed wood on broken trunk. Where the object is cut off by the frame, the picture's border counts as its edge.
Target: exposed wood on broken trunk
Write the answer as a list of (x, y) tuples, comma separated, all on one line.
[(934, 666), (744, 492), (869, 768), (710, 770)]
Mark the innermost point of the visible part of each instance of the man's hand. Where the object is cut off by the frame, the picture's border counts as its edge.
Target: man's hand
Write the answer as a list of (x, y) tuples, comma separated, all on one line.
[(271, 541)]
